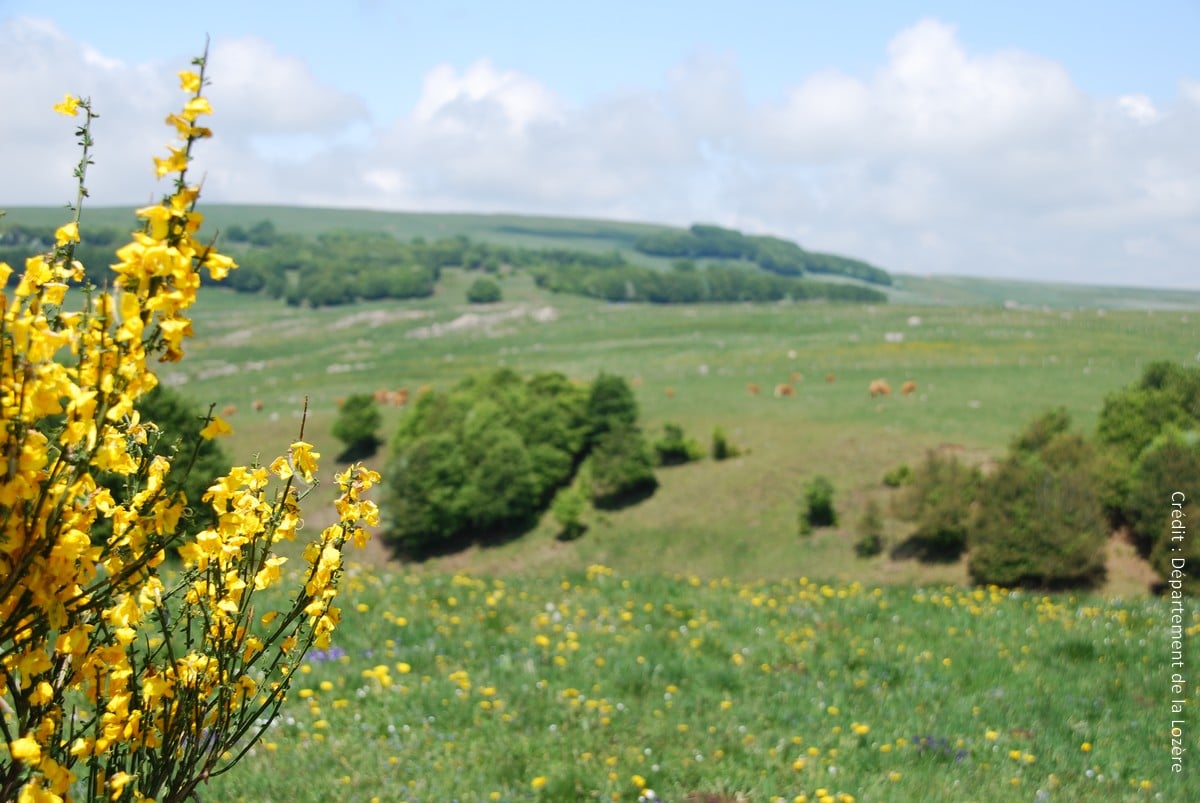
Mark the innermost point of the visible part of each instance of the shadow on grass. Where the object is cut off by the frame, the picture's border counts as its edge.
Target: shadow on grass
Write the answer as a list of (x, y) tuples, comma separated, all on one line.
[(926, 550), (485, 539), (629, 498)]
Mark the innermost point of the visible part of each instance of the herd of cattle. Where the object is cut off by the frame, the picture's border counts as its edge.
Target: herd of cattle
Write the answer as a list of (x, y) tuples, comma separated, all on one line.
[(399, 396), (877, 387)]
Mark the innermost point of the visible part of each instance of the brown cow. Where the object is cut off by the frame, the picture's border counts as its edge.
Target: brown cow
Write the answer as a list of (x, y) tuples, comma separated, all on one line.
[(257, 405), (784, 390), (752, 389), (229, 410), (670, 393), (830, 378), (796, 376), (908, 388), (879, 387)]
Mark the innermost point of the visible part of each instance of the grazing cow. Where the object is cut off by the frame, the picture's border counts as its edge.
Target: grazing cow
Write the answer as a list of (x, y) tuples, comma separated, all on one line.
[(752, 389), (796, 376), (398, 398), (636, 382), (908, 388), (670, 393), (879, 387), (830, 378), (229, 410), (784, 390), (257, 405), (381, 396)]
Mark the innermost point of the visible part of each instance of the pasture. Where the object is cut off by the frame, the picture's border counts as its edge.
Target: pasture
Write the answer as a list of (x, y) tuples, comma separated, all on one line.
[(600, 685), (980, 372), (695, 644)]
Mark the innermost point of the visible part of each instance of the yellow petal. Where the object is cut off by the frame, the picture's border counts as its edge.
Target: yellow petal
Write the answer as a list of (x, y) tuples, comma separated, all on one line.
[(69, 106), (216, 428)]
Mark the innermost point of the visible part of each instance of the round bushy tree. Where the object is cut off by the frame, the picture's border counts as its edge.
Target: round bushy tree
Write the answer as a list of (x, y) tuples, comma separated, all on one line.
[(1040, 519), (1161, 507), (357, 426), (484, 291)]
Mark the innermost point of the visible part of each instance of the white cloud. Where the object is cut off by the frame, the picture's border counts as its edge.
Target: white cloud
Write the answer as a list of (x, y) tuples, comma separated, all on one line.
[(481, 96), (256, 88), (939, 160), (1138, 108)]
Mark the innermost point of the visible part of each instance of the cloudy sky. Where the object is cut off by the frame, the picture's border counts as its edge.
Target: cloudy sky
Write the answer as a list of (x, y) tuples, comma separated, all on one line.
[(1053, 140)]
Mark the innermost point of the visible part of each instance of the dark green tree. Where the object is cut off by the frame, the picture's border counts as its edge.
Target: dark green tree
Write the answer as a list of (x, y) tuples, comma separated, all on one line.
[(611, 405), (1167, 394), (1040, 520), (1161, 507), (494, 451), (816, 507), (357, 426), (621, 468), (484, 291)]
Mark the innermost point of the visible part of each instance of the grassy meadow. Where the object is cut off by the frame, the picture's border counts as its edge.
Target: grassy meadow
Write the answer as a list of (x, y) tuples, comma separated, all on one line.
[(595, 685), (695, 644), (981, 373)]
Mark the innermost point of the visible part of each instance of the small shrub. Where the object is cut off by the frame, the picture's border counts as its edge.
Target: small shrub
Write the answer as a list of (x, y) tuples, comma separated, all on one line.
[(938, 499), (484, 291), (817, 506), (870, 531), (675, 448), (722, 448), (568, 508), (899, 476)]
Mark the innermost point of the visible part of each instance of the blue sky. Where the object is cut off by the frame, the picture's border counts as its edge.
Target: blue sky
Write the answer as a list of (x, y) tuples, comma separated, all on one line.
[(1021, 139)]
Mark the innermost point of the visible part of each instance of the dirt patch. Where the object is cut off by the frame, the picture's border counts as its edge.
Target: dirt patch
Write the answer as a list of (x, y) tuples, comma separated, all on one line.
[(489, 322), (377, 317), (1129, 574)]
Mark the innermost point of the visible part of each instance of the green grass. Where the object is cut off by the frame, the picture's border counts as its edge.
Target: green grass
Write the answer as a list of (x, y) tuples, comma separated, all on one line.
[(999, 691), (982, 373), (468, 688)]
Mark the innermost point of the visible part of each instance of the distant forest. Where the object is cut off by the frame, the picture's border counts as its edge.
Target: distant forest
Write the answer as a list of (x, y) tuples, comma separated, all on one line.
[(347, 266)]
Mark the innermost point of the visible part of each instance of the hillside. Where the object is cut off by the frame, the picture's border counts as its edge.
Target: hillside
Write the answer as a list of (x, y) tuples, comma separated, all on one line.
[(983, 368), (598, 236)]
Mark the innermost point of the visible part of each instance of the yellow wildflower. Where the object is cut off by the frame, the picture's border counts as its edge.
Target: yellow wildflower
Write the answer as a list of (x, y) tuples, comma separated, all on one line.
[(216, 428), (69, 106), (189, 81)]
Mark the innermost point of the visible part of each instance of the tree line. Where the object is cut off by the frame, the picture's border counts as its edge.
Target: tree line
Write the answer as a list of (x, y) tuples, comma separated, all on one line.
[(347, 266), (769, 253)]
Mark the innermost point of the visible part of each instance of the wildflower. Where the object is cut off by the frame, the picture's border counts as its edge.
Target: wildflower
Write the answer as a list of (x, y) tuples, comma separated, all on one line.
[(25, 749), (216, 428), (189, 81), (69, 106), (67, 233)]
